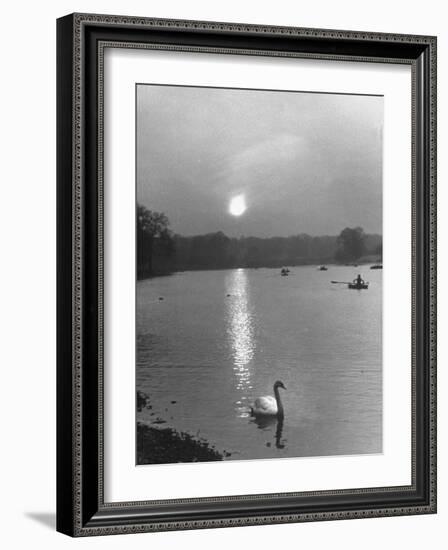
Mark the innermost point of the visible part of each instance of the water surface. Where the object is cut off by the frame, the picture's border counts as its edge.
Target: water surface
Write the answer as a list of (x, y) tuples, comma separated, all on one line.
[(219, 339)]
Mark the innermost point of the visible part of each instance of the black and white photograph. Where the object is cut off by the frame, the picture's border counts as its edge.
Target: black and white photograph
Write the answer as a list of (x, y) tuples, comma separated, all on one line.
[(259, 274), (246, 276)]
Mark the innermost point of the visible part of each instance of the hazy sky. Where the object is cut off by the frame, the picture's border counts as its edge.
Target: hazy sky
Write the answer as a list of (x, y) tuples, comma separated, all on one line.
[(303, 162)]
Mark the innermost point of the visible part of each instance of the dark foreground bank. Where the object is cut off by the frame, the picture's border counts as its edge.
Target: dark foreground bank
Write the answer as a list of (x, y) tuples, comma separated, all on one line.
[(166, 445)]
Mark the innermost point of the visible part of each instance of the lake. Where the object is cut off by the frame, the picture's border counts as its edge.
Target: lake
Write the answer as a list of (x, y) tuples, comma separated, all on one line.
[(219, 339)]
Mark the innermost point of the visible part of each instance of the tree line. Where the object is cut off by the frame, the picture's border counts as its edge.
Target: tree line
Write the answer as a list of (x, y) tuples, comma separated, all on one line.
[(160, 251)]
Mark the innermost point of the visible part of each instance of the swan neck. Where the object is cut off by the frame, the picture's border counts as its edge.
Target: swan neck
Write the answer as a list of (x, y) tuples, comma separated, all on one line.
[(280, 412)]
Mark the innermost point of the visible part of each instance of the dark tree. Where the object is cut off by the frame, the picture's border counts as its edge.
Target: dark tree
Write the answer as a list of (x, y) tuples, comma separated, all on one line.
[(153, 240), (160, 252), (379, 250), (350, 244)]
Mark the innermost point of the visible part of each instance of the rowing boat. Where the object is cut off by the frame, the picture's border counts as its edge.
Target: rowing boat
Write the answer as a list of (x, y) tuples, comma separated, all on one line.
[(356, 286)]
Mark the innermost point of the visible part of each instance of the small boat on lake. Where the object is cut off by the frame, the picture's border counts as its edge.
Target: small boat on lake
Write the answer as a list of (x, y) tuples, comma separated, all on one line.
[(284, 272), (323, 268), (356, 284), (376, 266)]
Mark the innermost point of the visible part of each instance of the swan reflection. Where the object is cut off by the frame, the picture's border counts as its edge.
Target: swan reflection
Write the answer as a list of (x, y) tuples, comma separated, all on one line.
[(241, 332), (268, 423)]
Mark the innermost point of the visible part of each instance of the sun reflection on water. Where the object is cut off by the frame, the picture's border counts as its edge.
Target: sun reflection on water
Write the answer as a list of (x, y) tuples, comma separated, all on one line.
[(241, 332)]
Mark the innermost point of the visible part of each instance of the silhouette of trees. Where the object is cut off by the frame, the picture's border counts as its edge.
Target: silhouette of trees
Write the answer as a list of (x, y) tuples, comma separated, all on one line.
[(209, 251), (155, 245), (217, 251), (160, 252), (152, 223), (379, 250), (350, 244)]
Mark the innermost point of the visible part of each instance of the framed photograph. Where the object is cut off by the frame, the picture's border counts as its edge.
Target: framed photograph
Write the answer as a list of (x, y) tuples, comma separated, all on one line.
[(246, 274)]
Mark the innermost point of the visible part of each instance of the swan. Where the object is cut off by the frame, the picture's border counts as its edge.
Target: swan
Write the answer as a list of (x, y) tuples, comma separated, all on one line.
[(268, 405)]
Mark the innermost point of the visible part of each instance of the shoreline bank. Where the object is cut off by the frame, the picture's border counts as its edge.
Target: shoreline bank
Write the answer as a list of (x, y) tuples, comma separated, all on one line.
[(167, 445)]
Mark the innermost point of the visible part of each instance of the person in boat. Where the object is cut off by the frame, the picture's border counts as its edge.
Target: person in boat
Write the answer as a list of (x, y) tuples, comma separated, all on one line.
[(358, 281)]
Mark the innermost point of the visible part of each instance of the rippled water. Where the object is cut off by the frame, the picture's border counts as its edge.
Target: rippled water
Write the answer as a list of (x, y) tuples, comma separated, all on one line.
[(219, 339)]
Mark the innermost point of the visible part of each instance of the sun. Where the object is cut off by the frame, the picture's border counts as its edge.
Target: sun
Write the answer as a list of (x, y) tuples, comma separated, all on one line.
[(237, 205)]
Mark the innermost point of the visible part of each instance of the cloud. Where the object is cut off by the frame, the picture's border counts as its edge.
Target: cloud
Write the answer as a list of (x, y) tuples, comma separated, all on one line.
[(305, 162)]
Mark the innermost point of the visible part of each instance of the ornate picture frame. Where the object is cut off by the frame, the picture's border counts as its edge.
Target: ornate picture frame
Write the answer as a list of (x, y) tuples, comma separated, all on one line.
[(81, 506)]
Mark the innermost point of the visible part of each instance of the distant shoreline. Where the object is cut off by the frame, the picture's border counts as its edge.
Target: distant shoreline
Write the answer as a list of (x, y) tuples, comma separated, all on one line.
[(330, 263)]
